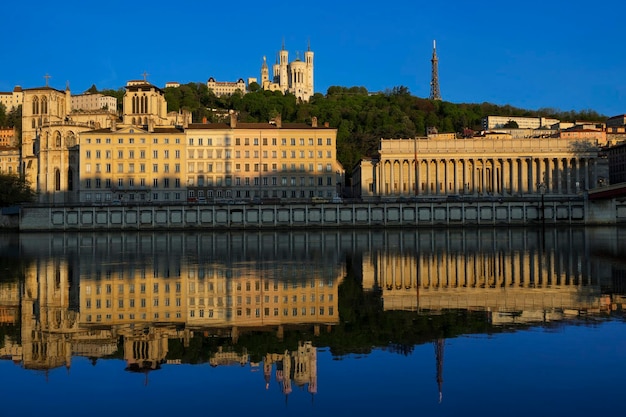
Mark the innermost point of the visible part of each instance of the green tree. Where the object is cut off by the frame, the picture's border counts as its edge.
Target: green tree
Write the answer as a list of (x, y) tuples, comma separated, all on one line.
[(254, 87), (3, 115), (511, 124), (14, 119), (14, 189)]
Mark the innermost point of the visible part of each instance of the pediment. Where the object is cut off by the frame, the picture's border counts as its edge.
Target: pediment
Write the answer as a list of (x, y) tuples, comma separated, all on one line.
[(131, 129)]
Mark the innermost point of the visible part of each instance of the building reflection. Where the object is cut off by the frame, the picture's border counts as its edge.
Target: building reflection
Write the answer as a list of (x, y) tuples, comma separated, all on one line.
[(515, 275), (134, 296), (139, 295)]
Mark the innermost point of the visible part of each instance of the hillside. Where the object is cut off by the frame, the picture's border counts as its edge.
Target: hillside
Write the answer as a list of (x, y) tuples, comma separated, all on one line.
[(361, 118)]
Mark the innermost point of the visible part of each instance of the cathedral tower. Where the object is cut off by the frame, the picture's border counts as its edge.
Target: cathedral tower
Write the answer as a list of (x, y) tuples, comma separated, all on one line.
[(283, 68)]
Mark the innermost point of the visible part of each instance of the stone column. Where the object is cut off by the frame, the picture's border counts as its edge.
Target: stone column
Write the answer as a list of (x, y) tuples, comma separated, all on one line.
[(546, 175)]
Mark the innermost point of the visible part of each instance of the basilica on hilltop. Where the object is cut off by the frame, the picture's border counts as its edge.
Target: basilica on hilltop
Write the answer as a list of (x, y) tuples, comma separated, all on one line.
[(295, 77)]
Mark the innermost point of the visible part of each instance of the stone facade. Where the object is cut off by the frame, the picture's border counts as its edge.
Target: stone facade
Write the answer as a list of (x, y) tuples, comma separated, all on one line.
[(96, 101), (226, 88), (494, 165)]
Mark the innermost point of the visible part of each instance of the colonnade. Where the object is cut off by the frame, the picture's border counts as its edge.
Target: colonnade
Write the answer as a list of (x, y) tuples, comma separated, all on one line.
[(485, 176), (480, 270)]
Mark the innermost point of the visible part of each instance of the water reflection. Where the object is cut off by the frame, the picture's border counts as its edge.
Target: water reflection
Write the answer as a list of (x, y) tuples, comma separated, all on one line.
[(270, 300)]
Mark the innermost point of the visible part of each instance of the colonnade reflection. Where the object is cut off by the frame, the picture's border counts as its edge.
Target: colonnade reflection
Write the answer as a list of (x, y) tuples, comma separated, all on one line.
[(91, 294)]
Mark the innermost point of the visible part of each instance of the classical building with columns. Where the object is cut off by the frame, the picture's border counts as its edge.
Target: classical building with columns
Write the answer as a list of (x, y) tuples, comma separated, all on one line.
[(493, 165)]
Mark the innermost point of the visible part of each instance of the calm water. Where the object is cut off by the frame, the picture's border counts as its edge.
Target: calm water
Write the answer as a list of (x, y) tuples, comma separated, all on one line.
[(484, 322)]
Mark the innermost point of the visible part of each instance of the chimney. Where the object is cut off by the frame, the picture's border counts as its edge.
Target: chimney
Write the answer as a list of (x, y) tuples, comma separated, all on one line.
[(326, 124), (113, 124), (313, 121), (279, 121), (204, 120), (150, 125), (233, 119)]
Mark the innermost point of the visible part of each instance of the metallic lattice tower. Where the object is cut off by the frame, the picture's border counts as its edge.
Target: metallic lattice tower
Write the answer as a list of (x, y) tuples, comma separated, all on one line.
[(435, 94)]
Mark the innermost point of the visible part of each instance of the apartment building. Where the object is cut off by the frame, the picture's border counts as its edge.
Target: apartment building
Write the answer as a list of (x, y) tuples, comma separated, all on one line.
[(247, 161), (132, 164)]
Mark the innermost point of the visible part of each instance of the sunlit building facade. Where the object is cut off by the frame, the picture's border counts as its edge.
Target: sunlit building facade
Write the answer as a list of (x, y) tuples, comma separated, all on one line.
[(244, 161), (493, 165), (226, 88)]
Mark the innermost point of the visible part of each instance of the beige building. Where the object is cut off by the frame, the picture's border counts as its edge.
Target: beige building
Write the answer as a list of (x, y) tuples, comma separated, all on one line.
[(142, 159), (495, 122), (226, 88), (294, 77), (9, 159), (12, 99), (493, 165), (244, 161), (132, 164), (96, 101)]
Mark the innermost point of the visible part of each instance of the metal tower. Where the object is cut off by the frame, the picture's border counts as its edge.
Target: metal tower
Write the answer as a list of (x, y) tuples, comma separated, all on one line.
[(435, 94), (439, 345)]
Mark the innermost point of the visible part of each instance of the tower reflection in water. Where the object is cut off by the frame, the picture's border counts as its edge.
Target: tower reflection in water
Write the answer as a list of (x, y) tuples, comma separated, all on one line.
[(156, 299)]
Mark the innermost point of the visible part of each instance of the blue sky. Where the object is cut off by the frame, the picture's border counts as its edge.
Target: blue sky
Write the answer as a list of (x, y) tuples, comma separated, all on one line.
[(531, 54)]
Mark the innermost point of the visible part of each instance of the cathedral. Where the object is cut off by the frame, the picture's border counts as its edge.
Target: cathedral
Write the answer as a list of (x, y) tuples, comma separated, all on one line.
[(295, 77)]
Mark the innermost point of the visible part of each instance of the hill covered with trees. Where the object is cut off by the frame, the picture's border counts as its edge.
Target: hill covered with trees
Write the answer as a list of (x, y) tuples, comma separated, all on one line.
[(361, 117)]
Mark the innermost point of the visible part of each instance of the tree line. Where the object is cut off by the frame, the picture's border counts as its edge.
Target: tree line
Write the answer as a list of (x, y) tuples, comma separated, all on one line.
[(360, 117)]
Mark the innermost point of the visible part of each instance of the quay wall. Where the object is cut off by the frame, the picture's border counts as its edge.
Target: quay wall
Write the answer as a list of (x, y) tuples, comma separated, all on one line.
[(357, 215)]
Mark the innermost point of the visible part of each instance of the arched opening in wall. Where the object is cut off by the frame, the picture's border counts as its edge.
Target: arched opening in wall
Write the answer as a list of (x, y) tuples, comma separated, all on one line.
[(145, 120), (134, 101), (70, 179), (44, 105), (70, 139), (35, 105), (57, 180), (34, 124), (57, 139)]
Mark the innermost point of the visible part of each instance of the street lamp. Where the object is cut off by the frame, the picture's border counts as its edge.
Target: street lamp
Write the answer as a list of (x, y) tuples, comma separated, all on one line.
[(542, 189)]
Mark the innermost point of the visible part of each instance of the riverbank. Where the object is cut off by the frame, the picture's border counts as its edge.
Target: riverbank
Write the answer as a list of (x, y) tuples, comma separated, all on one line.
[(287, 216)]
